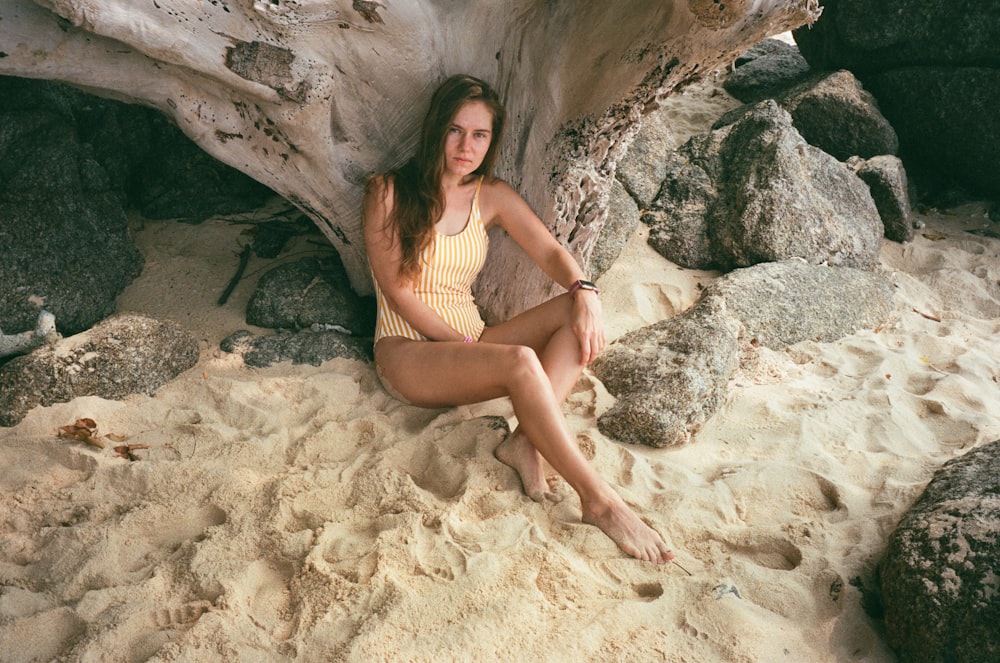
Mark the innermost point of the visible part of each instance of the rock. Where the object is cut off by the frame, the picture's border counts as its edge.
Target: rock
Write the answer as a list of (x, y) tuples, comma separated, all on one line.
[(671, 377), (623, 219), (771, 212), (765, 70), (782, 303), (64, 241), (767, 196), (641, 170), (179, 180), (886, 179), (833, 112), (934, 67), (125, 354), (679, 218), (300, 348), (836, 114), (849, 33), (940, 578), (299, 294), (948, 124)]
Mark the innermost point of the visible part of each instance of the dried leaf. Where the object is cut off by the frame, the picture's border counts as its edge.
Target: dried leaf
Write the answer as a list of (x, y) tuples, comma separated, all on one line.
[(127, 451), (87, 422), (114, 437), (81, 434)]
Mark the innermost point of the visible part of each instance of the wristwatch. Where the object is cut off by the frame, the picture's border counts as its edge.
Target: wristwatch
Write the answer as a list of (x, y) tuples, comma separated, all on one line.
[(580, 284)]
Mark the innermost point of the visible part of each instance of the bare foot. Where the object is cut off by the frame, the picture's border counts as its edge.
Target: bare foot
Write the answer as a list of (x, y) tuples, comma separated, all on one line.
[(633, 536), (517, 452)]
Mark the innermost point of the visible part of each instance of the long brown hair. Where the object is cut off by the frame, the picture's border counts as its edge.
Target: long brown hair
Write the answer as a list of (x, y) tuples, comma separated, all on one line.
[(419, 200)]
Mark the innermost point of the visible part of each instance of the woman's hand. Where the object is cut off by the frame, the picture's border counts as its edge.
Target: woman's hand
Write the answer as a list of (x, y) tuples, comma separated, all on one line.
[(587, 324)]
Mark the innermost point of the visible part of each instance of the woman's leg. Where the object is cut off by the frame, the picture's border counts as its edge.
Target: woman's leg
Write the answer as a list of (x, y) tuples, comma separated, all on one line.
[(546, 329), (439, 374)]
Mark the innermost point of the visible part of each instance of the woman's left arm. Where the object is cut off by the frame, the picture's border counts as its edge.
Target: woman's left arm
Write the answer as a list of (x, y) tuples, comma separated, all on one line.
[(506, 208)]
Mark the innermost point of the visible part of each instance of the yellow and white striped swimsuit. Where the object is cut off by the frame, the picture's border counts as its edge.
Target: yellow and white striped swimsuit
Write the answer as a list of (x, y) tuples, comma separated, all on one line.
[(450, 264)]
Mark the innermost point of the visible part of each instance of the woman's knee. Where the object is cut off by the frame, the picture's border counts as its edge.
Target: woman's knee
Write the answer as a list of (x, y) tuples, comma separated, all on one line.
[(523, 363)]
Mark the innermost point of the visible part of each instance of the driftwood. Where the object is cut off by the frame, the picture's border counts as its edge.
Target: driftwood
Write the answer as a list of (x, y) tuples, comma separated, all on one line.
[(311, 96), (24, 342)]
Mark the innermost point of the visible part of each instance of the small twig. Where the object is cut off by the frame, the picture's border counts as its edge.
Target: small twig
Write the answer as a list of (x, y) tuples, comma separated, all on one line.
[(244, 259), (674, 562), (927, 315)]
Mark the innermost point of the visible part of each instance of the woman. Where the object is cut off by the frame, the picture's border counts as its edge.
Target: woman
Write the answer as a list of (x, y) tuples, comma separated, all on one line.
[(425, 231)]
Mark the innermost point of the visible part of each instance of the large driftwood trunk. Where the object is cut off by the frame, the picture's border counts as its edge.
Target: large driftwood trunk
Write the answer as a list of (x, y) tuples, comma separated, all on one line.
[(311, 96)]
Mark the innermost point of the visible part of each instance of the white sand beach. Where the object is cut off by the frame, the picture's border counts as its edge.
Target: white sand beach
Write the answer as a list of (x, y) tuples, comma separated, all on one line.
[(300, 513)]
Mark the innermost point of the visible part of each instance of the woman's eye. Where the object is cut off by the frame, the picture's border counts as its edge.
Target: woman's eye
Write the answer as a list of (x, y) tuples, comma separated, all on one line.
[(454, 130)]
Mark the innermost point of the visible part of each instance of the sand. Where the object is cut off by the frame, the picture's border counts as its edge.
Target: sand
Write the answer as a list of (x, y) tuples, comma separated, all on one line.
[(300, 513)]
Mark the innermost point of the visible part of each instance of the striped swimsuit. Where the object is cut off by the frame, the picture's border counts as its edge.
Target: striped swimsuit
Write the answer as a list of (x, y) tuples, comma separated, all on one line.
[(450, 265)]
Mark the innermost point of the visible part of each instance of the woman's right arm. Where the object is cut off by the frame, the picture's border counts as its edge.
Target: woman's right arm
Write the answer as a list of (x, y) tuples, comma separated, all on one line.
[(384, 257)]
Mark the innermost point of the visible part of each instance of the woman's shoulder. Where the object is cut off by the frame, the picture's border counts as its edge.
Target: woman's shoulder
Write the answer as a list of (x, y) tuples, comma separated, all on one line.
[(496, 189), (498, 199)]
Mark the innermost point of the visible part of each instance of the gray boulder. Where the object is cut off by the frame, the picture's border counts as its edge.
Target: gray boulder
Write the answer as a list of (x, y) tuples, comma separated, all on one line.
[(782, 303), (303, 347), (934, 66), (940, 578), (886, 179), (833, 112), (671, 377), (756, 192), (311, 291), (122, 355), (765, 70), (836, 114), (623, 219), (641, 170)]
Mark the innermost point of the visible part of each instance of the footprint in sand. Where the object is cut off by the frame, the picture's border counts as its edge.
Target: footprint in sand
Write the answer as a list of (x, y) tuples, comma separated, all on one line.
[(182, 616), (263, 591), (769, 551)]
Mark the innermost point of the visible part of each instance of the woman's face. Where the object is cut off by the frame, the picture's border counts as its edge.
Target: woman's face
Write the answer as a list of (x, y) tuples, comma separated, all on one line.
[(468, 138)]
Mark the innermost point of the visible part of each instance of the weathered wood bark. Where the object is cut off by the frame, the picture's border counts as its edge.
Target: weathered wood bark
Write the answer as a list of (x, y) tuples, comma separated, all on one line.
[(311, 96)]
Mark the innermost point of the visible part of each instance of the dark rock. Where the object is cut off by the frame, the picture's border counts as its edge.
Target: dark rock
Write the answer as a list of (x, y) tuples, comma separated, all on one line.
[(886, 179), (940, 578), (623, 219), (767, 196), (125, 354), (300, 348), (878, 35), (948, 124), (300, 294), (934, 66), (765, 70), (178, 180), (64, 241), (671, 377)]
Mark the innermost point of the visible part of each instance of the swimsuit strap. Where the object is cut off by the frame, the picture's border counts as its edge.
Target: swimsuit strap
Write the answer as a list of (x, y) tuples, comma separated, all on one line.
[(475, 198)]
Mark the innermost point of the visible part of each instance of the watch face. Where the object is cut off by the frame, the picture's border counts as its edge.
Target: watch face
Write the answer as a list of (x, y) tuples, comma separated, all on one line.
[(587, 285)]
